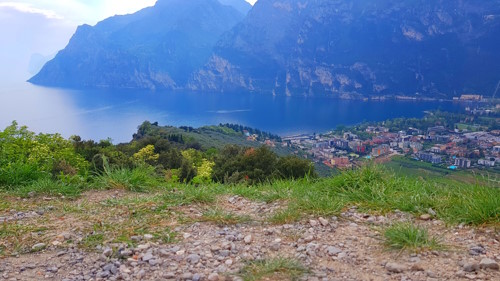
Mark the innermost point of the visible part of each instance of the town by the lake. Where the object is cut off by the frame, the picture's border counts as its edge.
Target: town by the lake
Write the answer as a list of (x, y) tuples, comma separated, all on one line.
[(469, 140)]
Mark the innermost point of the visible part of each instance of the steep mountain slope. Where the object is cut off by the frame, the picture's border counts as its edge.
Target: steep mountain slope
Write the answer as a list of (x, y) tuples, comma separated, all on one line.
[(157, 47), (359, 48)]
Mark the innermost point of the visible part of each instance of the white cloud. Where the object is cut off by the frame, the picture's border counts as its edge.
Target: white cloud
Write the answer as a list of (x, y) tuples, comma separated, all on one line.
[(78, 11), (28, 8)]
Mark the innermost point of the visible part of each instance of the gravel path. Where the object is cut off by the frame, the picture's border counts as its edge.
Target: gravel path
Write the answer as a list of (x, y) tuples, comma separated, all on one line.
[(347, 247)]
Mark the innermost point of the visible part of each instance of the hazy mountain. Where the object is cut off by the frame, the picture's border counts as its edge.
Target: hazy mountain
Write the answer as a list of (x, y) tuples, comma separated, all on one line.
[(157, 47), (241, 5), (364, 47), (344, 48), (37, 61)]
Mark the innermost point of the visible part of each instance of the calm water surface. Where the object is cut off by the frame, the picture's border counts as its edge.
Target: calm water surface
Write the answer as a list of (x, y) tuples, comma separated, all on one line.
[(99, 114)]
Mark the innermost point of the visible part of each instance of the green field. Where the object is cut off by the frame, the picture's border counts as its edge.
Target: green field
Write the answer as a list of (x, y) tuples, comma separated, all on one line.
[(404, 166)]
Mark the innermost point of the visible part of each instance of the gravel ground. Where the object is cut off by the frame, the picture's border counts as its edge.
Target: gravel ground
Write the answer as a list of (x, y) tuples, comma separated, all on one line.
[(344, 247)]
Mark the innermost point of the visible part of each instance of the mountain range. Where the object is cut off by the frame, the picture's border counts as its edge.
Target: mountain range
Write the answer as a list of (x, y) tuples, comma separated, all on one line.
[(342, 48)]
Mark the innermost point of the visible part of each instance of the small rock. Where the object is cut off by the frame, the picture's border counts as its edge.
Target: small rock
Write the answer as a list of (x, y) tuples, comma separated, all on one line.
[(107, 252), (248, 239), (471, 266), (126, 253), (136, 238), (431, 212), (193, 258), (477, 250), (313, 223), (141, 274), (213, 277), (148, 236), (332, 251), (229, 262), (308, 238), (124, 269), (38, 247), (147, 257), (103, 274), (431, 274), (425, 217), (417, 267), (323, 221), (395, 267), (196, 277), (489, 264), (143, 247), (275, 246), (187, 276)]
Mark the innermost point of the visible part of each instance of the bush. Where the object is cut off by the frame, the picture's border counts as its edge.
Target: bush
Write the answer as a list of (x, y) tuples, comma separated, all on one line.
[(26, 157), (235, 164)]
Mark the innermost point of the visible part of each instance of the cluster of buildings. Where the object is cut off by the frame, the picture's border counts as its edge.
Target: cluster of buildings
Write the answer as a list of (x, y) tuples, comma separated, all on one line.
[(437, 145)]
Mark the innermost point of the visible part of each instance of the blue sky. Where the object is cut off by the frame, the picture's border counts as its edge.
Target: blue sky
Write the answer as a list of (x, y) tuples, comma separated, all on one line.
[(43, 27)]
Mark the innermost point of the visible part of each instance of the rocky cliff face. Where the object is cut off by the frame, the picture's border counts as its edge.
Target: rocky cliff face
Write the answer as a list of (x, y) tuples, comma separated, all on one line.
[(158, 47), (342, 48), (359, 48)]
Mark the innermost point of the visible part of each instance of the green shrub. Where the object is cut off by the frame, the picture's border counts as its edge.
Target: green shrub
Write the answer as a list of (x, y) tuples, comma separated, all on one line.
[(26, 157)]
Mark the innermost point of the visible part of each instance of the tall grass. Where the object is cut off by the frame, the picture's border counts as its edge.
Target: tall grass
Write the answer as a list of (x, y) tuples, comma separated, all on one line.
[(51, 187), (375, 189), (138, 179), (407, 236)]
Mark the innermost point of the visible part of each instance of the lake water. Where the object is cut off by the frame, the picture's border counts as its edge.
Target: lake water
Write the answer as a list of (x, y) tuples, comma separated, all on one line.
[(99, 114)]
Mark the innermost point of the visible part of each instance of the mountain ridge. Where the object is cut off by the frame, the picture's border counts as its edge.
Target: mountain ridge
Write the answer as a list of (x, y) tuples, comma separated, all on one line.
[(157, 47), (341, 48)]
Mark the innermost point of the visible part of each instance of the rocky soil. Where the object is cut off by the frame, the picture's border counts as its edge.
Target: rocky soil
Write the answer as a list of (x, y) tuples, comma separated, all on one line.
[(344, 247)]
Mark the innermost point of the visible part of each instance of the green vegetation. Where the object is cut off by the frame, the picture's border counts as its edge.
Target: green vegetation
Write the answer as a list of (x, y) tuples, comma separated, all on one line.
[(26, 157), (407, 236), (273, 269), (221, 217), (160, 179), (32, 164), (405, 167)]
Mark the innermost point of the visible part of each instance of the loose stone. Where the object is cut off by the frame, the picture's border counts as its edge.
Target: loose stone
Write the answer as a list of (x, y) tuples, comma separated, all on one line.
[(395, 267)]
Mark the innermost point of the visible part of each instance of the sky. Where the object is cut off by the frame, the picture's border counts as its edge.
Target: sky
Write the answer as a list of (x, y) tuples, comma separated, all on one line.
[(29, 27)]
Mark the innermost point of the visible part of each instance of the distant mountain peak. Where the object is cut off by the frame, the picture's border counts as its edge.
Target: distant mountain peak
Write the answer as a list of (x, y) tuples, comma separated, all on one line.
[(241, 5)]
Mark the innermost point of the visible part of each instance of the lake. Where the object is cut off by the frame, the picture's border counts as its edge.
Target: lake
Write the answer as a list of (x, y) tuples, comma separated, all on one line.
[(115, 114)]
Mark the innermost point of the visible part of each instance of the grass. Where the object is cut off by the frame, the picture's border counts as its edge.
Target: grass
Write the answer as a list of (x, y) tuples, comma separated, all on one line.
[(138, 179), (188, 194), (221, 217), (50, 187), (373, 189), (17, 238), (407, 236), (273, 269), (91, 241), (285, 216)]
